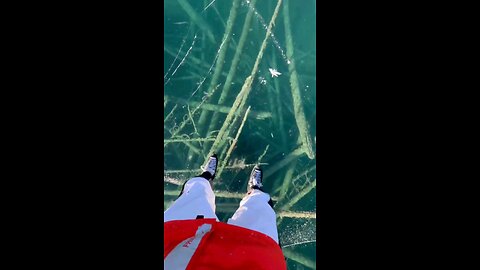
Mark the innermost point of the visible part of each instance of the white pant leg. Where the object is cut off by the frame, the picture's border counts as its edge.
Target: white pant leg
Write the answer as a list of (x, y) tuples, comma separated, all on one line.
[(256, 214), (197, 199)]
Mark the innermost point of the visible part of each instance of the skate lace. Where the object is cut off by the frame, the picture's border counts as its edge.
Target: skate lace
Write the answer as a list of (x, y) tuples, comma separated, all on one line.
[(210, 165), (256, 178)]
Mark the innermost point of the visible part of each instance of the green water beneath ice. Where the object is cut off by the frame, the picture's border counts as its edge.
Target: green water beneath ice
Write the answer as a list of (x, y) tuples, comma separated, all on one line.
[(192, 38)]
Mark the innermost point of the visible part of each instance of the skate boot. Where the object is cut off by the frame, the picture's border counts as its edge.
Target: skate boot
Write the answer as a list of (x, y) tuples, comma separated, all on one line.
[(255, 180), (210, 168)]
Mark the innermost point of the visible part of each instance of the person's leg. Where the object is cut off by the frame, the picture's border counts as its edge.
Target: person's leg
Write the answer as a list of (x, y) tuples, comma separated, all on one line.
[(255, 211), (197, 197), (206, 175)]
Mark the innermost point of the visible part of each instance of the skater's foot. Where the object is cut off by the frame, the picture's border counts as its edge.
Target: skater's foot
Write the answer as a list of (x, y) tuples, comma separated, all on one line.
[(210, 168), (255, 180), (208, 171)]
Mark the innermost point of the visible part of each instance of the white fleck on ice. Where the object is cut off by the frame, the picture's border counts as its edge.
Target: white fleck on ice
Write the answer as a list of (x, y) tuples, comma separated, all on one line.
[(274, 72)]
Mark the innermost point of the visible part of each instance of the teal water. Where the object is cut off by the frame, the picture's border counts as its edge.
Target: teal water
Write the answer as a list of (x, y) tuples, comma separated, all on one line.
[(199, 94)]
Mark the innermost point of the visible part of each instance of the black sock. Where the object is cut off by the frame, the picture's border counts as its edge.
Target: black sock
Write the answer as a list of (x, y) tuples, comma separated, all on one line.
[(259, 188), (206, 175), (271, 203)]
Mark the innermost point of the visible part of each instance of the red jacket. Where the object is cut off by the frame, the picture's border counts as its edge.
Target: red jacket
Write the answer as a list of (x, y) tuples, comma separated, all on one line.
[(220, 246)]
